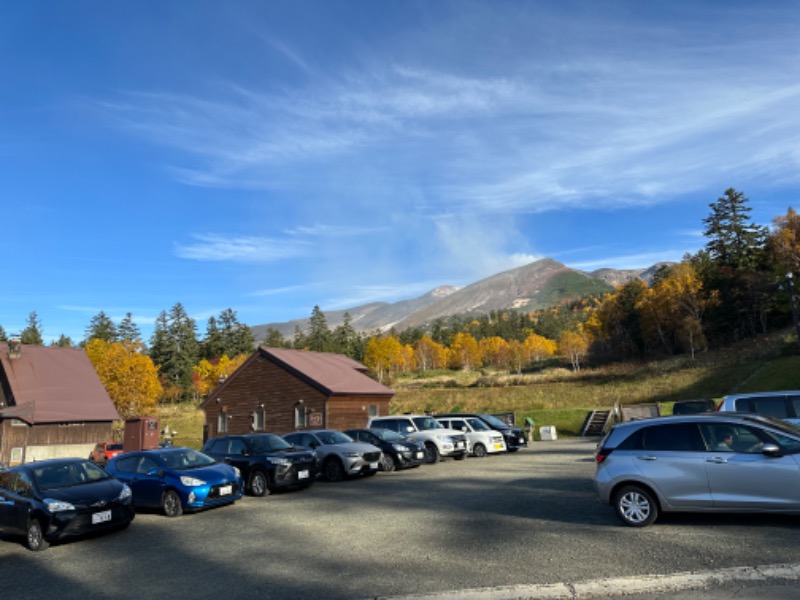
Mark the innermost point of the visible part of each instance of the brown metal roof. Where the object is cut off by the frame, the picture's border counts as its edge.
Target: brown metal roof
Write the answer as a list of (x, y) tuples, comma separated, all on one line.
[(54, 385), (338, 374)]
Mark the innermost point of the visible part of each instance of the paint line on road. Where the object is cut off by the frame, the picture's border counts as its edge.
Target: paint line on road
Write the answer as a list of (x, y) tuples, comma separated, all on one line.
[(616, 586)]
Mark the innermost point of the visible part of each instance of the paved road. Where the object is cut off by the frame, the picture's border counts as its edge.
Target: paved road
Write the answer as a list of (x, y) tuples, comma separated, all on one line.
[(517, 525)]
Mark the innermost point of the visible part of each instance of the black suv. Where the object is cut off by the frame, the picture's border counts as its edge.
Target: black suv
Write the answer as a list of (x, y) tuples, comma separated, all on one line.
[(267, 461), (514, 436), (399, 452)]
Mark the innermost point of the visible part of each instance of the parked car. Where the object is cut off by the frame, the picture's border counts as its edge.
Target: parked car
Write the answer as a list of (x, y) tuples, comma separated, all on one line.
[(438, 440), (709, 462), (60, 498), (690, 407), (399, 452), (105, 451), (176, 480), (339, 455), (779, 405), (482, 439), (513, 435), (267, 461)]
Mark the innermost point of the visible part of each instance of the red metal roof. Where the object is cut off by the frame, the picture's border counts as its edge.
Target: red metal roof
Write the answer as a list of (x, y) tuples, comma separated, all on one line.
[(54, 385), (338, 374)]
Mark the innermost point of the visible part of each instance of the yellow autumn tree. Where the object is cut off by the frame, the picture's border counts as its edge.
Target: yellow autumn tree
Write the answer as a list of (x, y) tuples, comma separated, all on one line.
[(429, 354), (538, 348), (129, 376), (573, 345), (494, 351), (464, 352), (384, 355), (784, 242), (208, 375)]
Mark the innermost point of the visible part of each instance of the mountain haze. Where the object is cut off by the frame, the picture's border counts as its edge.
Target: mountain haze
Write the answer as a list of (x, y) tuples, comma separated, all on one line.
[(534, 286)]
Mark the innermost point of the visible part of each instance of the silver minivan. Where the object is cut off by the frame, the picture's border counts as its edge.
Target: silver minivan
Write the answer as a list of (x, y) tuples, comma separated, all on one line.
[(783, 405), (709, 462)]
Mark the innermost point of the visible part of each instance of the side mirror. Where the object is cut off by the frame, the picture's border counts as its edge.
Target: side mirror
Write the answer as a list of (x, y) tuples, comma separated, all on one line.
[(771, 450)]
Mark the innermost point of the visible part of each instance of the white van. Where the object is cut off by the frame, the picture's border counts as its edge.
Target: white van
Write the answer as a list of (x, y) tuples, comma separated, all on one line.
[(783, 405), (482, 439)]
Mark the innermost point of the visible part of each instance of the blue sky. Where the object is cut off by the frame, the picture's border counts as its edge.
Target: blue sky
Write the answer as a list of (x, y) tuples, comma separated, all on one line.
[(272, 156)]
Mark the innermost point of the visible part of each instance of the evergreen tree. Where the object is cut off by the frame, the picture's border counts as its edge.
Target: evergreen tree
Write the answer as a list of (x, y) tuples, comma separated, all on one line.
[(128, 331), (318, 337), (734, 241), (63, 342), (213, 345), (174, 348), (32, 334), (274, 339), (345, 339), (237, 338), (3, 335), (101, 327)]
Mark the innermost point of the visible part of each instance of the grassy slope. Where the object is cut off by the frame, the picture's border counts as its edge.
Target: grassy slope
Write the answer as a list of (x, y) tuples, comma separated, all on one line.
[(557, 396)]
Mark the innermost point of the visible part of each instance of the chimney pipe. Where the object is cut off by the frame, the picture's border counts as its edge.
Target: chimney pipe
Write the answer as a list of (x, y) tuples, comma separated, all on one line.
[(14, 348)]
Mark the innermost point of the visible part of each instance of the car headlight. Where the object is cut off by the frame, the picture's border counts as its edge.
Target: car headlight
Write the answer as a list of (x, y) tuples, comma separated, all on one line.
[(401, 448), (55, 506), (237, 473), (447, 439), (125, 493), (352, 454), (277, 460), (191, 481)]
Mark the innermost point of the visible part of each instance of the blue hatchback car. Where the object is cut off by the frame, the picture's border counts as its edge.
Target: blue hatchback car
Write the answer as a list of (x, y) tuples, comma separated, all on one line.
[(176, 480)]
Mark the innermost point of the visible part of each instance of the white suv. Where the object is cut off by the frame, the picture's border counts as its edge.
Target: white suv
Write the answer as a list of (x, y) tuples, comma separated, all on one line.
[(783, 405), (481, 438), (439, 442)]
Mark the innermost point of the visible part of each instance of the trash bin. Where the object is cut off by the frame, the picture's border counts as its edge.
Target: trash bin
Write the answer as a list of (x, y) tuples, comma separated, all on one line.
[(548, 433)]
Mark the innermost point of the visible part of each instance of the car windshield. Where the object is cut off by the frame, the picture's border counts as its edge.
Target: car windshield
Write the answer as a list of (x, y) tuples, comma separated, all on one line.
[(269, 443), (494, 421), (334, 437), (424, 423), (478, 425), (185, 458), (49, 477), (387, 435)]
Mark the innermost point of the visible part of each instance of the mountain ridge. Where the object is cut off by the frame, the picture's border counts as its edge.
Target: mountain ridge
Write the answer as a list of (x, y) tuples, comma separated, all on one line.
[(537, 285)]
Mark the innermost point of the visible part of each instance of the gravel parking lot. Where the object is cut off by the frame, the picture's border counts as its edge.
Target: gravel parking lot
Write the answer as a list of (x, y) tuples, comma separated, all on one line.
[(514, 519)]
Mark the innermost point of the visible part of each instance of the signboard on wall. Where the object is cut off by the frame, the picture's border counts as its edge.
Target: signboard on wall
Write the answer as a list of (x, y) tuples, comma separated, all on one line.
[(315, 419)]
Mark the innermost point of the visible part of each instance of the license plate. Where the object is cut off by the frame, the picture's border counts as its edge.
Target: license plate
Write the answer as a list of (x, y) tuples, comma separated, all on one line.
[(302, 474), (459, 444), (498, 446), (101, 517), (226, 490), (373, 466)]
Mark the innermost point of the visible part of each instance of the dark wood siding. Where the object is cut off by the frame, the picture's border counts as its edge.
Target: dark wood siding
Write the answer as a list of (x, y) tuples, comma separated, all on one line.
[(21, 436), (349, 412)]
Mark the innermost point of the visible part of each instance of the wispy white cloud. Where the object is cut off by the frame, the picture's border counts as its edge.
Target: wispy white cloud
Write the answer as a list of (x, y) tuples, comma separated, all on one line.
[(216, 247)]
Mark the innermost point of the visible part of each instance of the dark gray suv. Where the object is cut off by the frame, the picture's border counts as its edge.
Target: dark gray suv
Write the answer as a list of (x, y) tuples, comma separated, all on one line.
[(710, 462)]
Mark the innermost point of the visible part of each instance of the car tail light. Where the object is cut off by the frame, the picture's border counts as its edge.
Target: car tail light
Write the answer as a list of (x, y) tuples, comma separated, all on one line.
[(602, 454)]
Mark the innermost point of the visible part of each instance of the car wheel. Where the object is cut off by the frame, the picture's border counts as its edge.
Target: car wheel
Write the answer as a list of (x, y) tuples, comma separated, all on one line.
[(479, 450), (512, 449), (171, 503), (635, 506), (258, 484), (36, 541), (431, 453), (387, 463), (333, 470)]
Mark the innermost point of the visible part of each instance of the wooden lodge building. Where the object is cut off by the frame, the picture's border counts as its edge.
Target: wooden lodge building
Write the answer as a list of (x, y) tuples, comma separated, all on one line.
[(279, 390), (52, 403)]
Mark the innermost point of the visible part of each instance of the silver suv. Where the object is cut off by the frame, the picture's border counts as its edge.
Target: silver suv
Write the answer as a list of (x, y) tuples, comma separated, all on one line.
[(339, 455), (780, 405), (438, 440), (710, 462)]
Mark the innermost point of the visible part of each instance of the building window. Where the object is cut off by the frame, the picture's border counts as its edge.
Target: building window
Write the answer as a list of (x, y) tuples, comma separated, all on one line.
[(222, 423), (259, 418), (299, 416), (372, 410)]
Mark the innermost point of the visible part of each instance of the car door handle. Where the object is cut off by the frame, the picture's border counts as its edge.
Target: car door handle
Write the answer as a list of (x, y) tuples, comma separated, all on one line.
[(718, 460), (646, 457)]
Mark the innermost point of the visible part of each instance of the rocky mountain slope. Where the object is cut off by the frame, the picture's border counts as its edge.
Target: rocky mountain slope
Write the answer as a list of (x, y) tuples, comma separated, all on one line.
[(537, 285)]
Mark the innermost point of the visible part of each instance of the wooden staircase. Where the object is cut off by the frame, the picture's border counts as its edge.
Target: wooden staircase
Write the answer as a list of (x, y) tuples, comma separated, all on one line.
[(595, 423)]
